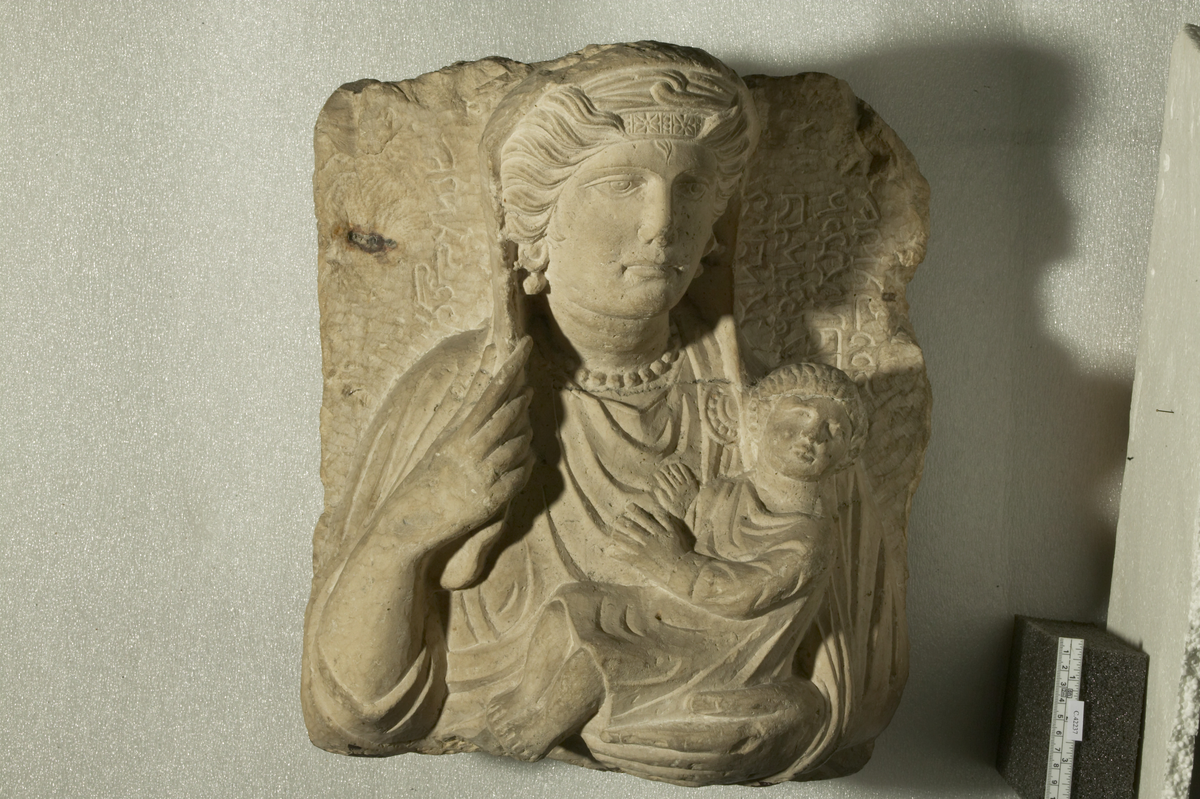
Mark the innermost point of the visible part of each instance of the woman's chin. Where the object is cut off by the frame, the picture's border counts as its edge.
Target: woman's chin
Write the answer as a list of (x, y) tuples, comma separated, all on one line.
[(649, 298)]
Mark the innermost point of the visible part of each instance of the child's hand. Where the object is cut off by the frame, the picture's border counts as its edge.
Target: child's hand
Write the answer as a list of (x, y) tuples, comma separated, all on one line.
[(676, 485), (648, 538)]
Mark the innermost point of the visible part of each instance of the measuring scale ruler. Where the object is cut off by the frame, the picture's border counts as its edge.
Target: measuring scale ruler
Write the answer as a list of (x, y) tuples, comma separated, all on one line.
[(1066, 724)]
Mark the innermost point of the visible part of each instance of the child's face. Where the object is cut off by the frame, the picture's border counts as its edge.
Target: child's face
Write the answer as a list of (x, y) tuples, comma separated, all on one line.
[(804, 438)]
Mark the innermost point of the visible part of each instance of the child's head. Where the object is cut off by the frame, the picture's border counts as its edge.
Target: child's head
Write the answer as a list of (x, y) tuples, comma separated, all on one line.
[(807, 421)]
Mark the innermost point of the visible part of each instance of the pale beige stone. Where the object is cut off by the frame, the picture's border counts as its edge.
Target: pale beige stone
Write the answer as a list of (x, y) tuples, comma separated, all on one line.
[(623, 416)]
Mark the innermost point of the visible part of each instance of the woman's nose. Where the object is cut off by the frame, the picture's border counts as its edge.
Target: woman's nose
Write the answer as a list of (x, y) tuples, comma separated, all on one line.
[(657, 225)]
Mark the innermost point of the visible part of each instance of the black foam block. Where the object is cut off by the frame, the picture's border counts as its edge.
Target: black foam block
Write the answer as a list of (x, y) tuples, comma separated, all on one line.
[(1113, 688)]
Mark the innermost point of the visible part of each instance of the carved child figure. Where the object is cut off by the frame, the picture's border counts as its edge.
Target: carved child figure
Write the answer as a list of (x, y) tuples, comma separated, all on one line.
[(750, 550)]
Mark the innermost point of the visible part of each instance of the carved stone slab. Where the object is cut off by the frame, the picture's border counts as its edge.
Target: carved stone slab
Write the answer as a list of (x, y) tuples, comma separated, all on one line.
[(650, 577)]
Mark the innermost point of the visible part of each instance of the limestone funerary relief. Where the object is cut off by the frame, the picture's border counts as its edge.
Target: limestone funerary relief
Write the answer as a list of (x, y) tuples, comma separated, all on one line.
[(623, 415)]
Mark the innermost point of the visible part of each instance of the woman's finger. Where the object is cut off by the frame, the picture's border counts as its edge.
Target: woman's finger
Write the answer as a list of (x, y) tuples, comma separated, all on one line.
[(509, 483), (630, 527), (663, 517), (475, 388), (625, 541), (510, 453), (491, 432), (493, 395), (646, 519)]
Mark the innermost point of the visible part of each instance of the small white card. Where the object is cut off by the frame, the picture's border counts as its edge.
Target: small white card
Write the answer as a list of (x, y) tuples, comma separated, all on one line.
[(1074, 730)]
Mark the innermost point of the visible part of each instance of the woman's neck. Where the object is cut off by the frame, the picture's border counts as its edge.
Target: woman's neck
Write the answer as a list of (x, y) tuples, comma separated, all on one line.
[(604, 343)]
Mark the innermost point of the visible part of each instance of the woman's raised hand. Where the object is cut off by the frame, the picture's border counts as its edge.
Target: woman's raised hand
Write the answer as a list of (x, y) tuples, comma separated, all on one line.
[(480, 463)]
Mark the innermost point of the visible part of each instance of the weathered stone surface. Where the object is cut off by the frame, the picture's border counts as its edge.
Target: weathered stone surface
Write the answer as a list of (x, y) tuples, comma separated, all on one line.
[(623, 415)]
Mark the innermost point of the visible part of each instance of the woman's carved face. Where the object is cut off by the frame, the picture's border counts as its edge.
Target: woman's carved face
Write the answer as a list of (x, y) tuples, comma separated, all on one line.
[(630, 227)]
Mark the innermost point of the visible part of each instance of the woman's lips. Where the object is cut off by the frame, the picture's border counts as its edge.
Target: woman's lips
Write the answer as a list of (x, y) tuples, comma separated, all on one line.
[(652, 270)]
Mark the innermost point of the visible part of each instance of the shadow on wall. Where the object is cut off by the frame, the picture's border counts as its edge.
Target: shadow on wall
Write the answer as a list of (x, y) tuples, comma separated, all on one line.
[(1026, 446)]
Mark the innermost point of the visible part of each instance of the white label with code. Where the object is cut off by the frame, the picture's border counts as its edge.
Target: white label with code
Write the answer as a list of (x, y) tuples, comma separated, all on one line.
[(1074, 720)]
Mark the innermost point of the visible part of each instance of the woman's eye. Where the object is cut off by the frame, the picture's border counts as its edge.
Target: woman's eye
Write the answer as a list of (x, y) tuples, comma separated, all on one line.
[(617, 186), (691, 190)]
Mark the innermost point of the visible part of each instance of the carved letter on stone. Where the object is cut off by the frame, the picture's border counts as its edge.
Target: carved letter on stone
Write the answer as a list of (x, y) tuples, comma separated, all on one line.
[(623, 415)]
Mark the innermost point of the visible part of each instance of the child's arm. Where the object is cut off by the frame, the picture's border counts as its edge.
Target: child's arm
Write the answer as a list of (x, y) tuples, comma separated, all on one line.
[(786, 570)]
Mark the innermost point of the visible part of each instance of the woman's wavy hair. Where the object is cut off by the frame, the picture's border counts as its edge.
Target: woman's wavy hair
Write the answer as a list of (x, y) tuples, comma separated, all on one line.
[(660, 92)]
